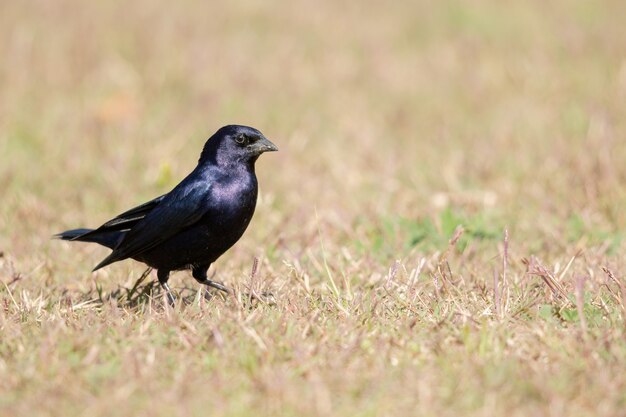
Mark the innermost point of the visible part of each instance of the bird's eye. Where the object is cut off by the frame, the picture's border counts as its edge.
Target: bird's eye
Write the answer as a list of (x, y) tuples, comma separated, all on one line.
[(241, 139)]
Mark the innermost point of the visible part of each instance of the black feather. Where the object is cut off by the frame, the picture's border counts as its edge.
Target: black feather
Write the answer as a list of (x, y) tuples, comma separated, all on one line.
[(196, 222)]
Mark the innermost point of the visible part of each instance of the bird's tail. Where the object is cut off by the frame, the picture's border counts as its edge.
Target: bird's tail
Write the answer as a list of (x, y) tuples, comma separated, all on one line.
[(108, 239)]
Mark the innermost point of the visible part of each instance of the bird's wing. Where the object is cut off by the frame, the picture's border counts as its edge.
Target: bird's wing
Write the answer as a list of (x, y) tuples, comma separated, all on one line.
[(179, 209), (124, 221), (129, 218)]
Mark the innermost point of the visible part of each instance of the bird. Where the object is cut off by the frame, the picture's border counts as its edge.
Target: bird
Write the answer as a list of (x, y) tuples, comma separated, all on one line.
[(196, 222)]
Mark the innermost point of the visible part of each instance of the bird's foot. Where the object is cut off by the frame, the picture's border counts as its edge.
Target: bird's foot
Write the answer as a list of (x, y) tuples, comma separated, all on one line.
[(216, 285), (265, 297), (169, 295), (171, 300)]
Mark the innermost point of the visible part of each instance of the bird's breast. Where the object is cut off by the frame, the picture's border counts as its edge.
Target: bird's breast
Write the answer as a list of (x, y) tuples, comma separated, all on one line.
[(232, 204)]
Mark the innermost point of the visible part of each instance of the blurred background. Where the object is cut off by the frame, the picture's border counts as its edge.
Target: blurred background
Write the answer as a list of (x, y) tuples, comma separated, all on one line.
[(395, 121)]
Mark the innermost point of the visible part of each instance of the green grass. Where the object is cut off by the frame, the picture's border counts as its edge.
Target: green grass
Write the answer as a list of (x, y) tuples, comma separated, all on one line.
[(411, 136)]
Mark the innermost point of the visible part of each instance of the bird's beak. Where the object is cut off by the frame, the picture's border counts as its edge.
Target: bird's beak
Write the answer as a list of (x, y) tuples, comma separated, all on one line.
[(263, 145)]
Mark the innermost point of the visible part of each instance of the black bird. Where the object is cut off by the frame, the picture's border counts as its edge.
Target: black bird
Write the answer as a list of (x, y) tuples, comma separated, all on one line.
[(197, 221)]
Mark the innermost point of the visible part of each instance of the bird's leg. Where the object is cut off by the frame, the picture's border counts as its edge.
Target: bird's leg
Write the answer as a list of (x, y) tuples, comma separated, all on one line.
[(200, 274), (163, 276)]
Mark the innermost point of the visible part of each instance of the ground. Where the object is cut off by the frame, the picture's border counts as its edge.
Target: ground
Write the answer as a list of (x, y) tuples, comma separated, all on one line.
[(441, 231)]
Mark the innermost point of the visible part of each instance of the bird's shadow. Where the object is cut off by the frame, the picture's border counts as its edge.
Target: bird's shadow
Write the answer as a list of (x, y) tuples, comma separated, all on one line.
[(146, 292)]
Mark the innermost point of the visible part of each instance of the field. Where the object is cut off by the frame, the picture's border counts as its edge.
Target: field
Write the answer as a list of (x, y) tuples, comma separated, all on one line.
[(442, 231)]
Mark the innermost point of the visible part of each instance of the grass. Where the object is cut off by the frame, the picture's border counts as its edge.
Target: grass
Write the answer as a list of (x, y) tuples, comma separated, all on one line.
[(412, 135)]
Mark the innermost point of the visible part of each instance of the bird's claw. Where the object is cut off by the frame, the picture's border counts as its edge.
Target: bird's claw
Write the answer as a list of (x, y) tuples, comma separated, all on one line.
[(217, 286), (171, 300), (169, 295)]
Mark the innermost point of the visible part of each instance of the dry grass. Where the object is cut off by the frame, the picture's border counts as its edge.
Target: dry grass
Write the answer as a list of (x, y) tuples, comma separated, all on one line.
[(397, 124)]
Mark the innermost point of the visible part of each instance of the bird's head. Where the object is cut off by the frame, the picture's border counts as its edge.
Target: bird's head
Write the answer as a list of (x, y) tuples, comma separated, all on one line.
[(235, 144)]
